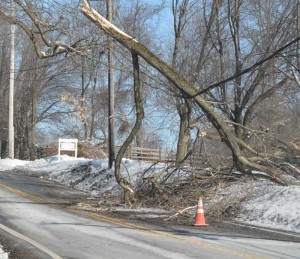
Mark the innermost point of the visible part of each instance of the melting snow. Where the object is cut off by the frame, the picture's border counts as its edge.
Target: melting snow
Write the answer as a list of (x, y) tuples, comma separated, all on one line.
[(279, 208)]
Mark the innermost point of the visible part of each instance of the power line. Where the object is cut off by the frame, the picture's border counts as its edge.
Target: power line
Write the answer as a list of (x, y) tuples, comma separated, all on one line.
[(247, 70)]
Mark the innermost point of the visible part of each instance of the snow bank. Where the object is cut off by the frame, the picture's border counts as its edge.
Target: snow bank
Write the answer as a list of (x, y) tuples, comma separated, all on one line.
[(83, 174), (279, 209), (8, 164)]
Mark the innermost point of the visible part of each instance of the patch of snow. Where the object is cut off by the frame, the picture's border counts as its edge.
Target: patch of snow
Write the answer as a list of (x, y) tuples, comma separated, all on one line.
[(279, 209), (8, 164), (152, 216), (3, 255), (141, 210), (144, 213)]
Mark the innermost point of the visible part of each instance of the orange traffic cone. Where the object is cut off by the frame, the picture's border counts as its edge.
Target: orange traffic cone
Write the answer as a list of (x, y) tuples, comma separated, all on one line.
[(200, 220)]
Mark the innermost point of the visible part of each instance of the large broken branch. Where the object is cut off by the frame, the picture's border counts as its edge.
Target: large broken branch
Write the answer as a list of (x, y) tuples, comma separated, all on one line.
[(181, 84)]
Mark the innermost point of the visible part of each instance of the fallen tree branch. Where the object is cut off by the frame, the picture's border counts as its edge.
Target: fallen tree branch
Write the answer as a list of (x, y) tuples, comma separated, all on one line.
[(291, 166), (180, 212)]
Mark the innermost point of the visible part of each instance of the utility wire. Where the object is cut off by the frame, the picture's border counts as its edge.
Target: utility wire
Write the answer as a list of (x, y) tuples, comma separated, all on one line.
[(247, 70)]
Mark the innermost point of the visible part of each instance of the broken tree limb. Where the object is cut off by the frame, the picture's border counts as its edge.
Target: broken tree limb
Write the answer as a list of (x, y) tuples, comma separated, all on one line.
[(180, 212), (181, 84)]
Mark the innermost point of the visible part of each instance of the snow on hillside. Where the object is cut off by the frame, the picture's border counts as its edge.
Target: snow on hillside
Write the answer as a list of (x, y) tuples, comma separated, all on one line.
[(279, 208), (83, 174), (270, 205)]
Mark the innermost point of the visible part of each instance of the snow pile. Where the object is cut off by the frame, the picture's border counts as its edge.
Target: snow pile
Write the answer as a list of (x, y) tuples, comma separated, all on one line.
[(261, 202), (83, 174), (279, 209), (3, 255), (8, 164)]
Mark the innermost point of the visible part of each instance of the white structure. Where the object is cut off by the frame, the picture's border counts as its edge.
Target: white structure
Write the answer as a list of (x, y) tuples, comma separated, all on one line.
[(67, 145), (11, 130)]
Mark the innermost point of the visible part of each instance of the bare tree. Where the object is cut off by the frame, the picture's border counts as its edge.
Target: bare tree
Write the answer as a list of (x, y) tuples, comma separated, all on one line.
[(234, 143)]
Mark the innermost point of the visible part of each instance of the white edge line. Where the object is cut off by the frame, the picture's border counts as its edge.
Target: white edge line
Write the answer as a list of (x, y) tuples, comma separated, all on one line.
[(31, 241)]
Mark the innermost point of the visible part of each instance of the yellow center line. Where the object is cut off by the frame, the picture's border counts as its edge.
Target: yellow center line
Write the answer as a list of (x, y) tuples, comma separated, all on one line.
[(126, 224)]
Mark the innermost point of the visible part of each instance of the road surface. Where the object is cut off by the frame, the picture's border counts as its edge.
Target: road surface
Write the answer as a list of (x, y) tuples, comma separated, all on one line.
[(29, 213)]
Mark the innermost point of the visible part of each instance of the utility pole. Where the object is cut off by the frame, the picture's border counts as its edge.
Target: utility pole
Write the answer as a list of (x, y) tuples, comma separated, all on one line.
[(111, 92), (11, 134)]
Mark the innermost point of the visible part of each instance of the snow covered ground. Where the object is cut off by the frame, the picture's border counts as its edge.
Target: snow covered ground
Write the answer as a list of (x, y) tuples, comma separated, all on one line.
[(279, 208), (3, 255), (268, 205)]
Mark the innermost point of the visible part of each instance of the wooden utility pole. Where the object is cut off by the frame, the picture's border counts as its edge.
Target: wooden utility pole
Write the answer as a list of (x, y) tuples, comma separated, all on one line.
[(11, 133), (111, 92)]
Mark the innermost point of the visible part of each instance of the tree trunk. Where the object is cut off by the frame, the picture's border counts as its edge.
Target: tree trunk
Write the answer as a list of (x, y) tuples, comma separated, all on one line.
[(93, 109), (138, 139), (82, 111), (33, 125), (184, 132), (111, 93), (179, 22), (22, 146), (138, 123), (3, 148)]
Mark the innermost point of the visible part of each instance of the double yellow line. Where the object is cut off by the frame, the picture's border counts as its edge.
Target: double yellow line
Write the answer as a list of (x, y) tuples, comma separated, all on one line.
[(126, 224)]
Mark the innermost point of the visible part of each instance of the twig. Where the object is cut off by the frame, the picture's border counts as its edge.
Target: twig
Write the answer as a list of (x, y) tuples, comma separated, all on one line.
[(293, 167), (180, 212)]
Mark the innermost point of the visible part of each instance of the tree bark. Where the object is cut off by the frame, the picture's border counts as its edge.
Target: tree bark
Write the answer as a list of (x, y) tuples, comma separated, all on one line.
[(111, 93), (138, 123), (184, 137), (179, 22), (33, 123), (3, 148)]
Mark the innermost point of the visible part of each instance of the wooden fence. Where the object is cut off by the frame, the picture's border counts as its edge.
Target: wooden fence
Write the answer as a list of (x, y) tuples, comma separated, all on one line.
[(149, 154)]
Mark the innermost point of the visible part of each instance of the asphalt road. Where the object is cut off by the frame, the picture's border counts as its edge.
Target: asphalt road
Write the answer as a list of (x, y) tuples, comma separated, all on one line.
[(32, 215)]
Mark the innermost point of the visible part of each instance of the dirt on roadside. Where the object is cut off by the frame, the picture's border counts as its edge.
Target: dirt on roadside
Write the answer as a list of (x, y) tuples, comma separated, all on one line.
[(18, 249)]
